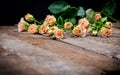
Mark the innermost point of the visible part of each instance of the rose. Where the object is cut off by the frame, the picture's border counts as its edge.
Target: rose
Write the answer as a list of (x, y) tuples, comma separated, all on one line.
[(29, 17), (79, 31), (68, 25), (108, 24), (43, 29), (88, 29), (22, 25), (33, 29), (50, 20), (52, 30), (83, 22), (97, 16), (94, 32), (59, 33), (105, 32)]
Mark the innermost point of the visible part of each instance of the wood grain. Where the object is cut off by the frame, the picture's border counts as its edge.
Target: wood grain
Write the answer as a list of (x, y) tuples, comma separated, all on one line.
[(69, 56)]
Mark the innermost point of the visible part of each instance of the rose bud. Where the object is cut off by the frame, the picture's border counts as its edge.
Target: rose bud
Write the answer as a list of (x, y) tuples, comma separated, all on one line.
[(97, 16), (29, 17), (68, 25), (22, 25)]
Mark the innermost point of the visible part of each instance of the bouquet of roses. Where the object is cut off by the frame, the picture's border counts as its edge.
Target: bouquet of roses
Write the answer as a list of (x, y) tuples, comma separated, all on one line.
[(65, 18)]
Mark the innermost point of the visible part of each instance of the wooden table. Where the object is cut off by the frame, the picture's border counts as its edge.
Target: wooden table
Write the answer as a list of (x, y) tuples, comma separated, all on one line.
[(22, 53)]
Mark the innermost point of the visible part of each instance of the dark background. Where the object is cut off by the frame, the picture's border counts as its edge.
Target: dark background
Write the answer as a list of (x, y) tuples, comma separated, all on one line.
[(12, 10)]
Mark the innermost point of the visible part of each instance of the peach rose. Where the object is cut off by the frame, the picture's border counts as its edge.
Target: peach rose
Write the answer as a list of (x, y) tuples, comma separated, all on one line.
[(50, 32), (83, 22), (43, 29), (22, 25), (53, 28), (68, 25), (59, 33), (94, 32), (97, 16), (106, 32), (29, 17), (50, 20), (33, 29), (109, 24), (79, 31), (88, 29)]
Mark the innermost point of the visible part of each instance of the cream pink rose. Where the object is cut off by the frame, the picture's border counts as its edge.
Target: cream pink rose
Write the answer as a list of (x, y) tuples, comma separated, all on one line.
[(109, 24), (59, 33), (50, 20), (97, 16), (79, 31), (52, 30), (33, 29), (88, 29), (29, 17), (22, 25), (68, 25), (43, 29), (106, 32), (83, 22)]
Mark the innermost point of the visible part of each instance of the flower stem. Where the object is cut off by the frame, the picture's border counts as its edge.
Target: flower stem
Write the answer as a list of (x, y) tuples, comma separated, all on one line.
[(110, 17), (37, 21)]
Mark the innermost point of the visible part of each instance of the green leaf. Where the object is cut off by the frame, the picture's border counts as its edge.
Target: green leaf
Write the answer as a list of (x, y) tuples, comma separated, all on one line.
[(90, 14), (58, 7), (71, 12), (81, 12), (73, 20), (60, 20), (104, 19), (110, 7)]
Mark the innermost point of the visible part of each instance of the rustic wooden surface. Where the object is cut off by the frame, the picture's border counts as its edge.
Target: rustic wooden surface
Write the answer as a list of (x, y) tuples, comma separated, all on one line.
[(22, 53)]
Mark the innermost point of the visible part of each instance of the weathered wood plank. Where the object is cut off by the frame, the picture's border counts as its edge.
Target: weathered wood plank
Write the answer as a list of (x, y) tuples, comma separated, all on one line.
[(12, 64), (109, 46), (55, 57)]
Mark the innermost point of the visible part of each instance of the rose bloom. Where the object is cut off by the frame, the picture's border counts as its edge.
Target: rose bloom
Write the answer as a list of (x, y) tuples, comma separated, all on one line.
[(33, 29), (68, 25), (79, 31), (59, 33), (29, 17), (50, 20), (109, 24), (43, 29), (22, 25), (106, 32), (88, 29), (50, 32), (83, 22), (97, 16), (94, 32), (53, 28)]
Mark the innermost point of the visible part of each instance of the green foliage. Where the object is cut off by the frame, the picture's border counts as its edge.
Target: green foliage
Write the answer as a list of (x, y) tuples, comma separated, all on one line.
[(81, 12), (58, 7), (110, 7), (73, 20), (60, 20), (90, 14)]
